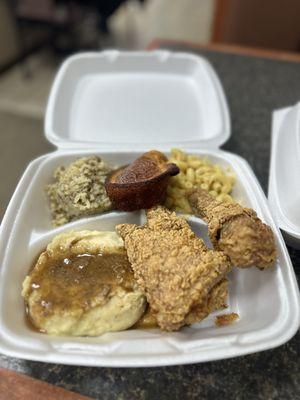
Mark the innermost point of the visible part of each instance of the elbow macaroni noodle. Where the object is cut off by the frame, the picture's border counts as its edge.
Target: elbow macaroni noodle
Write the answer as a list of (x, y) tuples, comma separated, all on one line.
[(196, 172)]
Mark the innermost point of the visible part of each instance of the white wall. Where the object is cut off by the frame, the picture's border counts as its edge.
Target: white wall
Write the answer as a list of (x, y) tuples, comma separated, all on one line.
[(134, 25)]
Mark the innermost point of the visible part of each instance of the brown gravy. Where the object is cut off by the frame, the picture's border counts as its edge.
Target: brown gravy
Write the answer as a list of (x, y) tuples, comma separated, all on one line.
[(147, 321), (74, 281)]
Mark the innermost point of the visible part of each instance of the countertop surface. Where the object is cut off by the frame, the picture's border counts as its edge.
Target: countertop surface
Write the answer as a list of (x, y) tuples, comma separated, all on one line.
[(254, 86)]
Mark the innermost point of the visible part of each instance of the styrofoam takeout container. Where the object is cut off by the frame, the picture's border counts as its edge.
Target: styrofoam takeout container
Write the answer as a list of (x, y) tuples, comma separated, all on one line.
[(284, 182), (118, 105)]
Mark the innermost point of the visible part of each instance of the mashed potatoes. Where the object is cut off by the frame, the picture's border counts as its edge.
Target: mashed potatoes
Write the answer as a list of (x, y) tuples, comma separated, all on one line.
[(83, 285)]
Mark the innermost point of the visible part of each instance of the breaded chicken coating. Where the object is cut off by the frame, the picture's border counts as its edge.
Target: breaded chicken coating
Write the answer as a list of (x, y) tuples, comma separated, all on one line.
[(235, 230), (173, 267), (215, 300)]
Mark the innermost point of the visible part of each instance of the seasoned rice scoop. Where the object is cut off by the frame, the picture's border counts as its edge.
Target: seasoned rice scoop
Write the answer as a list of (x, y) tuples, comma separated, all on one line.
[(78, 190)]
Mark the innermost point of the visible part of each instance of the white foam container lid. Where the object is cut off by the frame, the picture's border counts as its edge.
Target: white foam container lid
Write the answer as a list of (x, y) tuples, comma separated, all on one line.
[(121, 100), (284, 182), (117, 105)]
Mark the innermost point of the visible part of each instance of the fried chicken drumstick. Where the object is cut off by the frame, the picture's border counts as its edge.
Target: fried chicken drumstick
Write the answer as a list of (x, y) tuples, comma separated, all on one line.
[(180, 277), (235, 230)]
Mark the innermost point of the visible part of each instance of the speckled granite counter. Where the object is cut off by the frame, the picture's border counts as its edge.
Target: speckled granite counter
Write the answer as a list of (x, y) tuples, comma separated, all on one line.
[(254, 87)]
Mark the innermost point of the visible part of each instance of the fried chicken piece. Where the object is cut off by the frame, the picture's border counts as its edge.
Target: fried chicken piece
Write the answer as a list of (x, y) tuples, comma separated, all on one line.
[(235, 230), (215, 300), (172, 266)]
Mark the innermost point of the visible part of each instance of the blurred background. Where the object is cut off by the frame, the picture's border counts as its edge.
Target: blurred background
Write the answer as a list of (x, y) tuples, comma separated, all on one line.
[(36, 35)]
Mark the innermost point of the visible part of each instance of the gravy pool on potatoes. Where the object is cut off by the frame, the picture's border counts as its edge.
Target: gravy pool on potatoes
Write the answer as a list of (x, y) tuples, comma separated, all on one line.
[(73, 281), (82, 294), (85, 268)]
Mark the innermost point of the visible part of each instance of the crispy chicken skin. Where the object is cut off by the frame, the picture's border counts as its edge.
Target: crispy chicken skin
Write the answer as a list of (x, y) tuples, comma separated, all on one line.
[(215, 300), (235, 230), (173, 267)]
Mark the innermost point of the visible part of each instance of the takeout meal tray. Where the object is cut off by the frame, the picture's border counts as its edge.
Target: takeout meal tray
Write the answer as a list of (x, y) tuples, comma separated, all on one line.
[(118, 105)]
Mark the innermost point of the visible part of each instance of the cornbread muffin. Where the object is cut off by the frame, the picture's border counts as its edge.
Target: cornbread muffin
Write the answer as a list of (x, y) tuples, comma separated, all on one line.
[(141, 184), (78, 190), (83, 285)]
